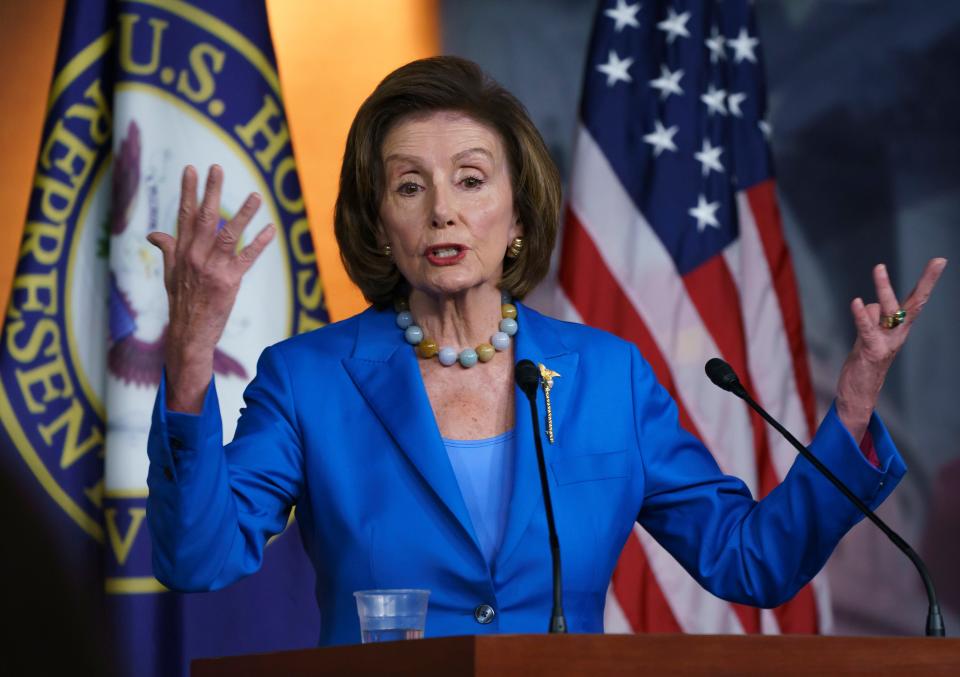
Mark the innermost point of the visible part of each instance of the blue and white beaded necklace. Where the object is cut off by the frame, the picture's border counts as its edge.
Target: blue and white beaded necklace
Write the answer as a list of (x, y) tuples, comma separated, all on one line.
[(427, 348)]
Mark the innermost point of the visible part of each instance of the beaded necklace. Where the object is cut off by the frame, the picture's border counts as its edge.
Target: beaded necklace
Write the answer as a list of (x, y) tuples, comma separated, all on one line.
[(427, 348)]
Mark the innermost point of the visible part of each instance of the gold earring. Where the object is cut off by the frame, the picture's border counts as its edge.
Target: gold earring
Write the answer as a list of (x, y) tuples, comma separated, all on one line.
[(513, 251), (387, 251)]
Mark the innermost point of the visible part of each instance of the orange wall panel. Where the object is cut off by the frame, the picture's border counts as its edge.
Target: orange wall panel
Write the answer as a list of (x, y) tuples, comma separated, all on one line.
[(331, 55), (28, 47)]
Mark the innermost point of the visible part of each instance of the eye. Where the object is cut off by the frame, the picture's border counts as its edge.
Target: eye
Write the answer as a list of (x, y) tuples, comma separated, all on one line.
[(472, 182), (408, 188)]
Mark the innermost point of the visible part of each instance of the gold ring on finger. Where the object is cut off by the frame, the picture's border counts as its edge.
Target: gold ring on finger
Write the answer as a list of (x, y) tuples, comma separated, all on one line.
[(894, 320)]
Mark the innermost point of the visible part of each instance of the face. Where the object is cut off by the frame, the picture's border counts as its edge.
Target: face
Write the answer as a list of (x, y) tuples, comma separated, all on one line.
[(447, 210)]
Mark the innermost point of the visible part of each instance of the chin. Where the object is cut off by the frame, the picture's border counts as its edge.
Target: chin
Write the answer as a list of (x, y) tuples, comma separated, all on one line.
[(450, 283)]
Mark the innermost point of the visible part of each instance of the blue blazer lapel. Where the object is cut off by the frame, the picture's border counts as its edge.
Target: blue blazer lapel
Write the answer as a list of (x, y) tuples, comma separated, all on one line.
[(385, 371), (538, 342)]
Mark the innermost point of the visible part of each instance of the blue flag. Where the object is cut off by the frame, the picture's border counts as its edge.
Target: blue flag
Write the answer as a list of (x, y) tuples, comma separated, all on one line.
[(142, 88)]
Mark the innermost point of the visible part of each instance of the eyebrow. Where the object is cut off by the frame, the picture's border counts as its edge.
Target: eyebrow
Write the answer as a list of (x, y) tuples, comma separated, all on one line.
[(473, 151), (395, 157)]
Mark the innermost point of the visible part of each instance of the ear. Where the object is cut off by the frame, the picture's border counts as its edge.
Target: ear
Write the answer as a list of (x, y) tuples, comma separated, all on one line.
[(380, 233)]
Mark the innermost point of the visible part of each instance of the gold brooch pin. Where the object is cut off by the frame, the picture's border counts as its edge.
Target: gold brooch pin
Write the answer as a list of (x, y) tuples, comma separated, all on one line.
[(546, 378)]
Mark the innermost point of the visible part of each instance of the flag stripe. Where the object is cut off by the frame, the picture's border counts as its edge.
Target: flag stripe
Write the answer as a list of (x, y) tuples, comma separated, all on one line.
[(605, 306), (768, 354), (695, 609), (763, 207), (636, 587), (714, 293), (614, 620), (768, 348), (768, 351)]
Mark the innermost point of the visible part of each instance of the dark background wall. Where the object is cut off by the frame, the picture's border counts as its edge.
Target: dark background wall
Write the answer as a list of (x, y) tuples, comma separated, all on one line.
[(865, 107)]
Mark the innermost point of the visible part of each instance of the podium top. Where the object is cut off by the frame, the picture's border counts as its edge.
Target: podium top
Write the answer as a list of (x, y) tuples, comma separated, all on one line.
[(599, 655)]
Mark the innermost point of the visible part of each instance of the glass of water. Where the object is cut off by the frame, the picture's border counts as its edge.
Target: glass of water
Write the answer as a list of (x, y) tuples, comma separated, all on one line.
[(389, 615)]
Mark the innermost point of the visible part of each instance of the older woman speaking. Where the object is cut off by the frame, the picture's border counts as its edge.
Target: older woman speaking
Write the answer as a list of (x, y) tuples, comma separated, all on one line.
[(398, 434)]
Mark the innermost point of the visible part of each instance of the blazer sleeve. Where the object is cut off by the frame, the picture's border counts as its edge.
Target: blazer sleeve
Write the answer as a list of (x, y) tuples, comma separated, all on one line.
[(211, 508), (758, 553)]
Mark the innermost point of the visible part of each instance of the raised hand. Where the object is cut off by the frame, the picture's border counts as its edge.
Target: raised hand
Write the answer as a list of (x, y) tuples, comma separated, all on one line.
[(202, 274), (880, 335)]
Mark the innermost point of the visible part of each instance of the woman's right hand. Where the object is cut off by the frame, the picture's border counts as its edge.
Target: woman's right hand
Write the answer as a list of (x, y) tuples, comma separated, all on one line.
[(202, 271)]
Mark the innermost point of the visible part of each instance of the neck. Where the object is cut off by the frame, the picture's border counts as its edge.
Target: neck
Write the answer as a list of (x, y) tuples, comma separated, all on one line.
[(462, 320)]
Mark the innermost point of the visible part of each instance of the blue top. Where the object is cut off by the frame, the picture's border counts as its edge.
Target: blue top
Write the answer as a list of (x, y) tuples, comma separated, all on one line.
[(484, 470)]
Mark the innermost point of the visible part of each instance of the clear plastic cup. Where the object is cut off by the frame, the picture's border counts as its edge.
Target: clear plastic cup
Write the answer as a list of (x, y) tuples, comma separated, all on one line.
[(390, 615)]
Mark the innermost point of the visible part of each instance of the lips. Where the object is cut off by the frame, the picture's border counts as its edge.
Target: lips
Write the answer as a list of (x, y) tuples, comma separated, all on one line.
[(445, 253)]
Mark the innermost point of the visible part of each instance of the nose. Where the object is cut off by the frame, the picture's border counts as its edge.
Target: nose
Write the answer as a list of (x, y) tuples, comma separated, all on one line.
[(443, 210)]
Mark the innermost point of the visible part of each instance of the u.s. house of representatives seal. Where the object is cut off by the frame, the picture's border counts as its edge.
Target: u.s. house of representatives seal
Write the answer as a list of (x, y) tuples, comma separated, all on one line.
[(164, 85)]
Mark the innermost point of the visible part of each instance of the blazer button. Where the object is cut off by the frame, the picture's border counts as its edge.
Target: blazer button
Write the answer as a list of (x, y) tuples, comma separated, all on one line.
[(168, 474), (484, 614)]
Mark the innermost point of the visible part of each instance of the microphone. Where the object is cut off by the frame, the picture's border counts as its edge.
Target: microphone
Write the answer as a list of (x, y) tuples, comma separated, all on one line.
[(724, 377), (527, 377)]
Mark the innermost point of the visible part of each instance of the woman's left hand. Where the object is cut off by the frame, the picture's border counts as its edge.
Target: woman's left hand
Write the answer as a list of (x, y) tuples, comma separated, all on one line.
[(862, 375)]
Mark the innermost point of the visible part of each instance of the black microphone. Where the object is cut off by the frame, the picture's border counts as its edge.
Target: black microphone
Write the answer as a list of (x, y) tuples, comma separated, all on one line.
[(723, 376), (528, 379)]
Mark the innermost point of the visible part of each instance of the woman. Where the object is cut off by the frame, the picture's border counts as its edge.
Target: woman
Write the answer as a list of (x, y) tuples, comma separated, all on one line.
[(410, 471)]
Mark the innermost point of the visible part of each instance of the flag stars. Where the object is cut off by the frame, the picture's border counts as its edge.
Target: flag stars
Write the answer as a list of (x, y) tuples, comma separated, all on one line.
[(715, 44), (668, 83), (661, 138), (714, 100), (675, 25), (616, 69), (624, 15), (734, 99), (709, 158), (705, 213), (743, 46)]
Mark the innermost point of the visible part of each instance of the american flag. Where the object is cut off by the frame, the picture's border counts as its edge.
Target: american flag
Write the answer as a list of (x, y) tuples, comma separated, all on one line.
[(673, 240)]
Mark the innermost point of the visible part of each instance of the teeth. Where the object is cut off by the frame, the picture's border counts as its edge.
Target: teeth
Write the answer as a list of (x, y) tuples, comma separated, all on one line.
[(444, 253)]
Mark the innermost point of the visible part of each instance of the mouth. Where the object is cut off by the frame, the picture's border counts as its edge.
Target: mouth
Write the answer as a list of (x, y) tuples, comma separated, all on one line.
[(445, 254)]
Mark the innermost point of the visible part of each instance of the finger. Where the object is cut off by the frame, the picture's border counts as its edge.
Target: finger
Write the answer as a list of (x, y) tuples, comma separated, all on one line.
[(232, 232), (167, 246), (866, 319), (873, 312), (921, 293), (188, 205), (208, 213), (885, 294), (877, 343), (253, 250)]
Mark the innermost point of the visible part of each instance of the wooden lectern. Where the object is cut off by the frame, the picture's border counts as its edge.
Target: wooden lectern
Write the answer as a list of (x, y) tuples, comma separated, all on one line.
[(600, 655)]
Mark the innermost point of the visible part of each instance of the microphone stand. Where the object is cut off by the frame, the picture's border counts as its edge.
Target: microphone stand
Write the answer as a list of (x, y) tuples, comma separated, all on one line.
[(724, 377), (528, 378)]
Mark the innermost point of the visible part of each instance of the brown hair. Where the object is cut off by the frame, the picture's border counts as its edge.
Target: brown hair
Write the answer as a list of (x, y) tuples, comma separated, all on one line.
[(424, 86)]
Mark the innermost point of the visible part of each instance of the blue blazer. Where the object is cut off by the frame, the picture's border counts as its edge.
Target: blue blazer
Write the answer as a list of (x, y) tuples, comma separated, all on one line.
[(337, 423)]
